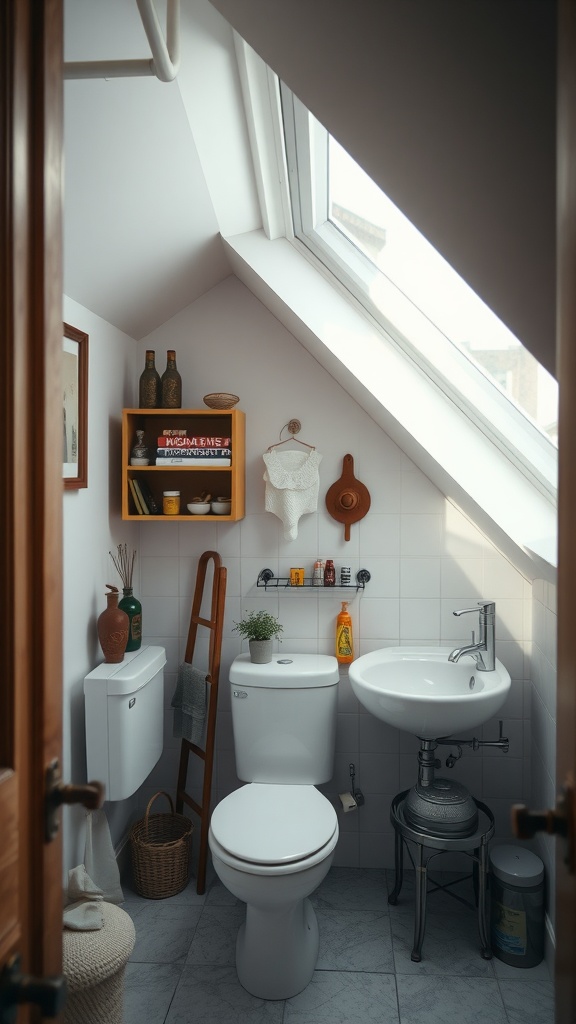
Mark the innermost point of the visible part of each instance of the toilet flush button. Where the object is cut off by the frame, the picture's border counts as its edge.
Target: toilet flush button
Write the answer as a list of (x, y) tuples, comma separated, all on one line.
[(239, 693), (284, 661)]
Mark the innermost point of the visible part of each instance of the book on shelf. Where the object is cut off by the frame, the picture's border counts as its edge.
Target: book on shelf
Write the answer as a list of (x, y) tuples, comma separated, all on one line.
[(183, 460), (194, 442), (174, 433), (135, 498), (138, 489), (148, 497), (194, 453)]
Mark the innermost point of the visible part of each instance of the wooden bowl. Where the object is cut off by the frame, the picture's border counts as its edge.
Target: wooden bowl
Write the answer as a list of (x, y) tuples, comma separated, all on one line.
[(221, 400)]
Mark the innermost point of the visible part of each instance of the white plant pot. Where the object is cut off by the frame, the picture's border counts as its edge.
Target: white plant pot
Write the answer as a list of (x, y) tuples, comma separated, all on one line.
[(260, 651)]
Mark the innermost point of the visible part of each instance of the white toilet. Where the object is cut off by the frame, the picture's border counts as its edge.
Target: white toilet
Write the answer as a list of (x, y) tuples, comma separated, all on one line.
[(272, 841)]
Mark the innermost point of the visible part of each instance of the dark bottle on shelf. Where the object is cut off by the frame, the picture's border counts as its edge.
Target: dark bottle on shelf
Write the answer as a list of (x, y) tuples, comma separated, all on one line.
[(150, 388), (171, 384), (131, 605), (329, 574)]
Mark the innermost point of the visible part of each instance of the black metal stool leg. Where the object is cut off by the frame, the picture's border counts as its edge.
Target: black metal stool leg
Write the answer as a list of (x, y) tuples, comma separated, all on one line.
[(398, 868), (482, 923), (420, 906)]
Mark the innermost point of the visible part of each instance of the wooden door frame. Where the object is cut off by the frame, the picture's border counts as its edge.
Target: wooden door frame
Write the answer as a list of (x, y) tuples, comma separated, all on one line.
[(31, 88), (566, 372)]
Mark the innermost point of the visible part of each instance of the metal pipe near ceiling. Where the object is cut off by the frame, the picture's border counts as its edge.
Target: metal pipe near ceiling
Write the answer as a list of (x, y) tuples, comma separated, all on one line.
[(165, 51)]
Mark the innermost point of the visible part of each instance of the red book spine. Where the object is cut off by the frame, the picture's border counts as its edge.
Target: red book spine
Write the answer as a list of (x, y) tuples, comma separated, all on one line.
[(194, 442)]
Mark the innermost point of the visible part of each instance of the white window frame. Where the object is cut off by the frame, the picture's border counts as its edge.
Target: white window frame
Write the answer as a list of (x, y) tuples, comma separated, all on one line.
[(294, 202), (464, 383)]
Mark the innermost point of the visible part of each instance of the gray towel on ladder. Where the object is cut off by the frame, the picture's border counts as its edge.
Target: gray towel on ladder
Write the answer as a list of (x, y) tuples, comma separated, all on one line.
[(189, 703)]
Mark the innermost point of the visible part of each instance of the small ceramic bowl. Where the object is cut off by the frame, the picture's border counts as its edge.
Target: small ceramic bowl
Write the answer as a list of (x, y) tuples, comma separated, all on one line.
[(221, 508), (221, 400), (199, 508)]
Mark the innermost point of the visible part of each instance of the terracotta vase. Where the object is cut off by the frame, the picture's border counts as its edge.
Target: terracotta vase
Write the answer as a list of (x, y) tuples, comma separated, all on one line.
[(113, 625)]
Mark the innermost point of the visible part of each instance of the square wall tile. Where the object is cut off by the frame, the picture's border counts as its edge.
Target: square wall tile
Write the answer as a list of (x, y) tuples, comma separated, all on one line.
[(419, 494), (462, 579), (420, 535), (379, 535), (420, 577), (159, 576), (379, 618), (419, 619), (259, 536)]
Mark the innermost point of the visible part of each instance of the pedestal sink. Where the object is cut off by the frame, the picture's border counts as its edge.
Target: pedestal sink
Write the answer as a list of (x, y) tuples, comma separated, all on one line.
[(418, 690)]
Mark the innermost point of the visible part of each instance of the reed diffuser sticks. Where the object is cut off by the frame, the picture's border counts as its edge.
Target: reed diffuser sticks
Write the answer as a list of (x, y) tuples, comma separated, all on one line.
[(124, 565)]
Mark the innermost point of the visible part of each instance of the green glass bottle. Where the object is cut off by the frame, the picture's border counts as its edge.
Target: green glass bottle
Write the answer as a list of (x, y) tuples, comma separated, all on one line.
[(131, 605)]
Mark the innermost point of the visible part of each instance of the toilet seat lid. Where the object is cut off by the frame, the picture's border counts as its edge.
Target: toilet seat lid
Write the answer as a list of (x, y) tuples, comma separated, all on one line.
[(273, 824)]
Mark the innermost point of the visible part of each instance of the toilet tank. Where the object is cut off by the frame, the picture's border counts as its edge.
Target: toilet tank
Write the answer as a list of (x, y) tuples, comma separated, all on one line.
[(284, 718), (124, 713)]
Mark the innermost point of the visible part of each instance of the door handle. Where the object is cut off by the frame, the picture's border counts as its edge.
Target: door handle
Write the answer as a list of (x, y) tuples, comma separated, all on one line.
[(56, 793), (559, 820), (17, 988)]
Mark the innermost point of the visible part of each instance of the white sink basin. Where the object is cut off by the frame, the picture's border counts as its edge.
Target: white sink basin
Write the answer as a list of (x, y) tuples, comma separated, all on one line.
[(418, 690)]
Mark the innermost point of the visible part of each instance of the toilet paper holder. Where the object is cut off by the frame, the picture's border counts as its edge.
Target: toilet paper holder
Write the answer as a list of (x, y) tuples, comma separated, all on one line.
[(354, 799)]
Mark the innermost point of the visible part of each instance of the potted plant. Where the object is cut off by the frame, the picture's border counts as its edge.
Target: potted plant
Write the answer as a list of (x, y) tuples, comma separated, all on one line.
[(259, 628)]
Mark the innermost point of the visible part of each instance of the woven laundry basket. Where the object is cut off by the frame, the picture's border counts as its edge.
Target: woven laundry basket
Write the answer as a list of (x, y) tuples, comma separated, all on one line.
[(160, 847), (94, 964)]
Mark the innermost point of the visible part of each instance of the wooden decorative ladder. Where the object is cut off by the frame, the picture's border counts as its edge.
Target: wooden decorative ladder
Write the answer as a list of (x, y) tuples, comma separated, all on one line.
[(215, 625)]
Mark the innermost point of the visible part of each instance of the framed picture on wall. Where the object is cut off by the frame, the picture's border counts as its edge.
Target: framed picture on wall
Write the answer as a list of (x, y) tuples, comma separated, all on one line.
[(75, 408)]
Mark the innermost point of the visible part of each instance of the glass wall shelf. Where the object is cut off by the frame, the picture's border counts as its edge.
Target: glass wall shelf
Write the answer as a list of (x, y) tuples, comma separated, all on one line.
[(268, 580)]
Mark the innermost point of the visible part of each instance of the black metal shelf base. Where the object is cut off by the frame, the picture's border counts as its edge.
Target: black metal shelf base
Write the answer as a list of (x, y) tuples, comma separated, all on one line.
[(268, 580)]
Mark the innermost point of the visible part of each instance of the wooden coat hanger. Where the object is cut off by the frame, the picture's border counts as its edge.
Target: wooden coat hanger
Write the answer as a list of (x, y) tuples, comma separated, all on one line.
[(293, 426)]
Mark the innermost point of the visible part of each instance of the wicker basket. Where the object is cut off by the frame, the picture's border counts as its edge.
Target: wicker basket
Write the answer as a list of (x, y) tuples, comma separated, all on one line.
[(160, 846)]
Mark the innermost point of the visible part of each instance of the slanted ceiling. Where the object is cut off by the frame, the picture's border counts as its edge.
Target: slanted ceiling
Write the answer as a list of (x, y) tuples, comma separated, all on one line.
[(450, 106)]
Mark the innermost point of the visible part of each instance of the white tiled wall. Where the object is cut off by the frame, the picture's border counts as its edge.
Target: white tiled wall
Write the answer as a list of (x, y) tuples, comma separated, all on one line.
[(425, 558)]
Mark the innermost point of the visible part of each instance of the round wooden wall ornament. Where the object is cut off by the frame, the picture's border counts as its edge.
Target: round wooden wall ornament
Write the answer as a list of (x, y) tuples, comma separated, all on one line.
[(347, 500)]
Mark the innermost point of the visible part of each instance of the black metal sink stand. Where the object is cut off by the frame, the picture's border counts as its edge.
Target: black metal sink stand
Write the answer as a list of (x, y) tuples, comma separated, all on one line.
[(474, 846)]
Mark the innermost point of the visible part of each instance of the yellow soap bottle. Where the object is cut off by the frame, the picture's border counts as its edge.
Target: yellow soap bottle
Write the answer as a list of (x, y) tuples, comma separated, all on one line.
[(344, 640)]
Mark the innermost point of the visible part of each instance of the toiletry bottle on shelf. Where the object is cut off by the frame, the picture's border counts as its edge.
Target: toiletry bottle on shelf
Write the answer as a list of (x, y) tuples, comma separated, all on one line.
[(318, 575), (329, 573), (344, 641)]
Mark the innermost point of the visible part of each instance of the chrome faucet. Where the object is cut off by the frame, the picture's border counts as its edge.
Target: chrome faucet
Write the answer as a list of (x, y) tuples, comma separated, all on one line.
[(485, 650)]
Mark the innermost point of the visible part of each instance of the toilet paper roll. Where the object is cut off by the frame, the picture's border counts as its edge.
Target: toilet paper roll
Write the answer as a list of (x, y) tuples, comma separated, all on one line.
[(348, 802)]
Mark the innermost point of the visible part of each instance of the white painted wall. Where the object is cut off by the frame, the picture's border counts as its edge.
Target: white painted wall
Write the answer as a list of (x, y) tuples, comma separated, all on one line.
[(92, 527), (425, 558)]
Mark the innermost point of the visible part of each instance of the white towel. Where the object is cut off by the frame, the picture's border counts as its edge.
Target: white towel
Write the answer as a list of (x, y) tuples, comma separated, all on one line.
[(99, 857), (189, 703), (84, 911), (292, 484)]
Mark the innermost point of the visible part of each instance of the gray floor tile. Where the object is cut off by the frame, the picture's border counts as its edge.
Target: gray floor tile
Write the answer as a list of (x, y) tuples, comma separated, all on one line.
[(218, 895), (538, 973), (426, 1000), (352, 889), (214, 940), (451, 945), (345, 998), (188, 896), (213, 995), (528, 1002), (354, 940), (148, 992), (164, 932)]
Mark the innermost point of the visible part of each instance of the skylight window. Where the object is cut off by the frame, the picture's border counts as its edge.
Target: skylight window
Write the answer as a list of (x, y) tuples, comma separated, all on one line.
[(359, 208), (344, 220)]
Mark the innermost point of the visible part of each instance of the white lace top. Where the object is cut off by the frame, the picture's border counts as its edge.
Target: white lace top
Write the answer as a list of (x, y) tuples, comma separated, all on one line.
[(292, 484)]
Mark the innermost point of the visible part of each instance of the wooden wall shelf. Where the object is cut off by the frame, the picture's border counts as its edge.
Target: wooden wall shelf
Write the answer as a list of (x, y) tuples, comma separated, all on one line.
[(219, 481)]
